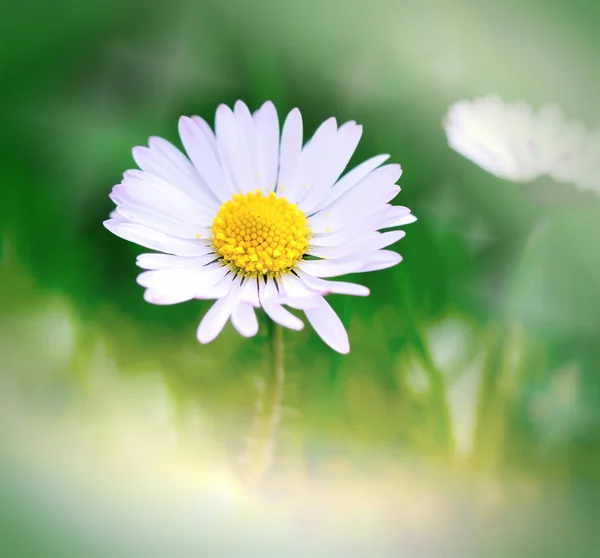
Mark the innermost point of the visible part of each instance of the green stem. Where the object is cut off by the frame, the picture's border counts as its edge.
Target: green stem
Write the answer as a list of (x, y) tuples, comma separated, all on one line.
[(444, 434), (266, 421), (500, 374), (485, 439)]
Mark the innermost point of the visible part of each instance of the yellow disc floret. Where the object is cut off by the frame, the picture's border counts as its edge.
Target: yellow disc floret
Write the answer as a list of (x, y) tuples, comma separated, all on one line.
[(258, 235)]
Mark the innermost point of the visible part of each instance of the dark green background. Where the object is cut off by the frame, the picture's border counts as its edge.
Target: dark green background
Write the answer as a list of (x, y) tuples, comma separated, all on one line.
[(500, 281)]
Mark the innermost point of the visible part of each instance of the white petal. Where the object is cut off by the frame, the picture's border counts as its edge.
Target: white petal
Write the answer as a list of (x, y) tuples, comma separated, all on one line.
[(379, 179), (282, 316), (358, 243), (170, 286), (381, 259), (379, 241), (173, 278), (373, 192), (154, 296), (115, 218), (155, 240), (329, 327), (212, 141), (404, 221), (336, 287), (352, 178), (166, 261), (331, 268), (249, 292), (269, 300), (215, 319), (333, 162), (294, 287), (202, 155), (267, 289), (244, 319), (267, 143), (364, 243), (235, 142), (208, 133), (165, 299), (290, 150), (340, 215), (181, 172), (218, 290), (143, 189), (164, 160), (363, 224), (161, 222), (311, 301), (397, 217), (354, 263), (382, 178), (387, 239), (312, 161), (172, 290), (247, 129)]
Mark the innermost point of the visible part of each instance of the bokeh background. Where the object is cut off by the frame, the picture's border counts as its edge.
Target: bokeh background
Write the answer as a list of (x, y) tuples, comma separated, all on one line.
[(466, 418)]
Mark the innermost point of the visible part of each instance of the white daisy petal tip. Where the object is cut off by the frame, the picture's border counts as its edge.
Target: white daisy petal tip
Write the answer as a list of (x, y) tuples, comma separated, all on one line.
[(185, 124), (268, 105), (155, 142), (140, 261), (244, 320), (240, 106), (205, 336), (281, 315), (111, 223), (357, 290), (138, 151), (222, 111), (217, 316), (156, 298), (200, 212), (395, 170), (406, 220), (343, 349), (329, 326)]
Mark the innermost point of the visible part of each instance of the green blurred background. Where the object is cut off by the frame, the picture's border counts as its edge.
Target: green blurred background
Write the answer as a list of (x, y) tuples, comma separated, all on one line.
[(466, 418)]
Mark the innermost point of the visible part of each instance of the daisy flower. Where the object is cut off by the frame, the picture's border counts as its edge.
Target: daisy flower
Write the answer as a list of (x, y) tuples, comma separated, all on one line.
[(512, 141), (254, 218)]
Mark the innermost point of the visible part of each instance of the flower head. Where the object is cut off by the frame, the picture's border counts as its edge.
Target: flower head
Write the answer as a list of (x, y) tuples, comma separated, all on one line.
[(254, 218), (512, 141)]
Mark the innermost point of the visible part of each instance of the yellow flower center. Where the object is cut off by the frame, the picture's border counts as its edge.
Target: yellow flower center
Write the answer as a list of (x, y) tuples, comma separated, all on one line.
[(256, 234)]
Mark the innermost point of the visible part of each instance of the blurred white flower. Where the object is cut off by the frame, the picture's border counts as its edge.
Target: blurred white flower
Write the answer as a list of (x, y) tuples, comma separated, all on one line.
[(512, 141), (254, 218), (583, 167)]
